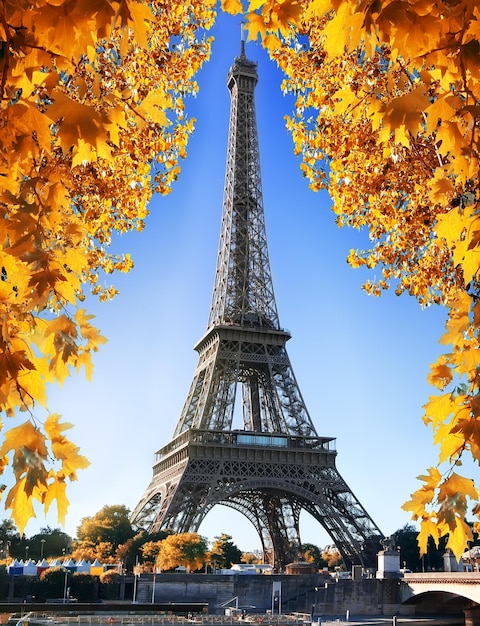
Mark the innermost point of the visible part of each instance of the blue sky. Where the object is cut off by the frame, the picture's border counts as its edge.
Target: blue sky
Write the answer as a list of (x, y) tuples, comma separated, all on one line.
[(361, 362)]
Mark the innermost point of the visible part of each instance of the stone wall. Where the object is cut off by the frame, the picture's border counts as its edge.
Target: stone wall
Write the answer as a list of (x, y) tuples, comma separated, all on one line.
[(313, 594)]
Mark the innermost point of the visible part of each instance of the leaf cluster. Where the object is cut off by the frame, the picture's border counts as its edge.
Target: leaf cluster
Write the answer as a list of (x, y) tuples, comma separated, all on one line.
[(92, 117), (387, 117)]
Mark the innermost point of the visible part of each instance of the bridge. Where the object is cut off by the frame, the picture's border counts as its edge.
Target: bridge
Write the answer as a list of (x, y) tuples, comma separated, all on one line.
[(446, 592)]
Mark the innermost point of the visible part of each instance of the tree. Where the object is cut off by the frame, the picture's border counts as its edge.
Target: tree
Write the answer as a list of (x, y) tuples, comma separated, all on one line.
[(87, 551), (312, 554), (131, 552), (332, 557), (188, 550), (92, 117), (250, 557), (406, 542), (9, 538), (387, 117), (53, 582), (410, 557), (49, 542), (224, 552), (110, 583), (111, 525), (150, 551)]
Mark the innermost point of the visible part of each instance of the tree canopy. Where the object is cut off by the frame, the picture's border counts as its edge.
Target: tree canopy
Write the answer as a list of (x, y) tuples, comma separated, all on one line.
[(93, 122), (387, 118), (110, 525), (187, 550), (92, 118), (224, 552)]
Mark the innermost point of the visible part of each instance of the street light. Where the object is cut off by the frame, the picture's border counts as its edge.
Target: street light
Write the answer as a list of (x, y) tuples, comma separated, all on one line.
[(42, 541), (26, 552), (65, 588)]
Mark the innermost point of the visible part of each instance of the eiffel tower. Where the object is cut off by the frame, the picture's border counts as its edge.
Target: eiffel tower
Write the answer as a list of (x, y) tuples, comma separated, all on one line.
[(276, 465)]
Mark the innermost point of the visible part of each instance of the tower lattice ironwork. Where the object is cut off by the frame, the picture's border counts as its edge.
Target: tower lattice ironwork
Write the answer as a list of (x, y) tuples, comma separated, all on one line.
[(275, 465)]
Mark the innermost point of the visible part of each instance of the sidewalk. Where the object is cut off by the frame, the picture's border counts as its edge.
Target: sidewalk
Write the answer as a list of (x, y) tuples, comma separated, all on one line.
[(397, 620)]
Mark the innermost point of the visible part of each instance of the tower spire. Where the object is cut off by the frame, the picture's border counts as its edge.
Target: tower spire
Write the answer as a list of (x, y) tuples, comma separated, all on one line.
[(273, 464), (242, 39)]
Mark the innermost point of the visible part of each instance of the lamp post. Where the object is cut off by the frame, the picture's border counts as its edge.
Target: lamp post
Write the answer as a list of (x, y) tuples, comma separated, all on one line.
[(136, 574), (27, 548), (42, 543), (65, 588), (153, 586)]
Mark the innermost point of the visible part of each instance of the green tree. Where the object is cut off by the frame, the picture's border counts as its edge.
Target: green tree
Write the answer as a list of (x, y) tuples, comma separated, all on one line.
[(406, 542), (130, 553), (110, 525), (84, 587), (110, 583), (10, 539), (53, 583), (224, 552), (406, 538), (49, 542)]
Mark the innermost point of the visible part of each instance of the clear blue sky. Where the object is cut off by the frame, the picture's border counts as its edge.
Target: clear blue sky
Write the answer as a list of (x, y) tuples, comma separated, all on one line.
[(361, 362)]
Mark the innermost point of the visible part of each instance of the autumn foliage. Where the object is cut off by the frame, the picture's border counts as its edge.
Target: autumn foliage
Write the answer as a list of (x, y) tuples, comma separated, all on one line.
[(92, 118), (388, 118), (188, 550), (92, 123)]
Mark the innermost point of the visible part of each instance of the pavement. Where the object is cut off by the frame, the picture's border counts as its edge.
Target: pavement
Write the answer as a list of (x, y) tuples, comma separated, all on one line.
[(396, 620)]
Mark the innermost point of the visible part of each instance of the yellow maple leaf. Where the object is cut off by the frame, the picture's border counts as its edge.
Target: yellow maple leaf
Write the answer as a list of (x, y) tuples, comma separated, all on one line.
[(450, 444), (456, 327), (439, 408), (404, 113), (57, 491), (438, 111), (428, 528), (255, 26), (424, 495), (53, 428), (67, 452), (80, 127), (232, 6), (153, 106), (27, 436), (440, 373), (450, 137), (319, 8), (450, 225), (21, 505), (139, 16), (344, 30), (63, 449), (470, 264), (458, 537), (441, 185), (456, 485)]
